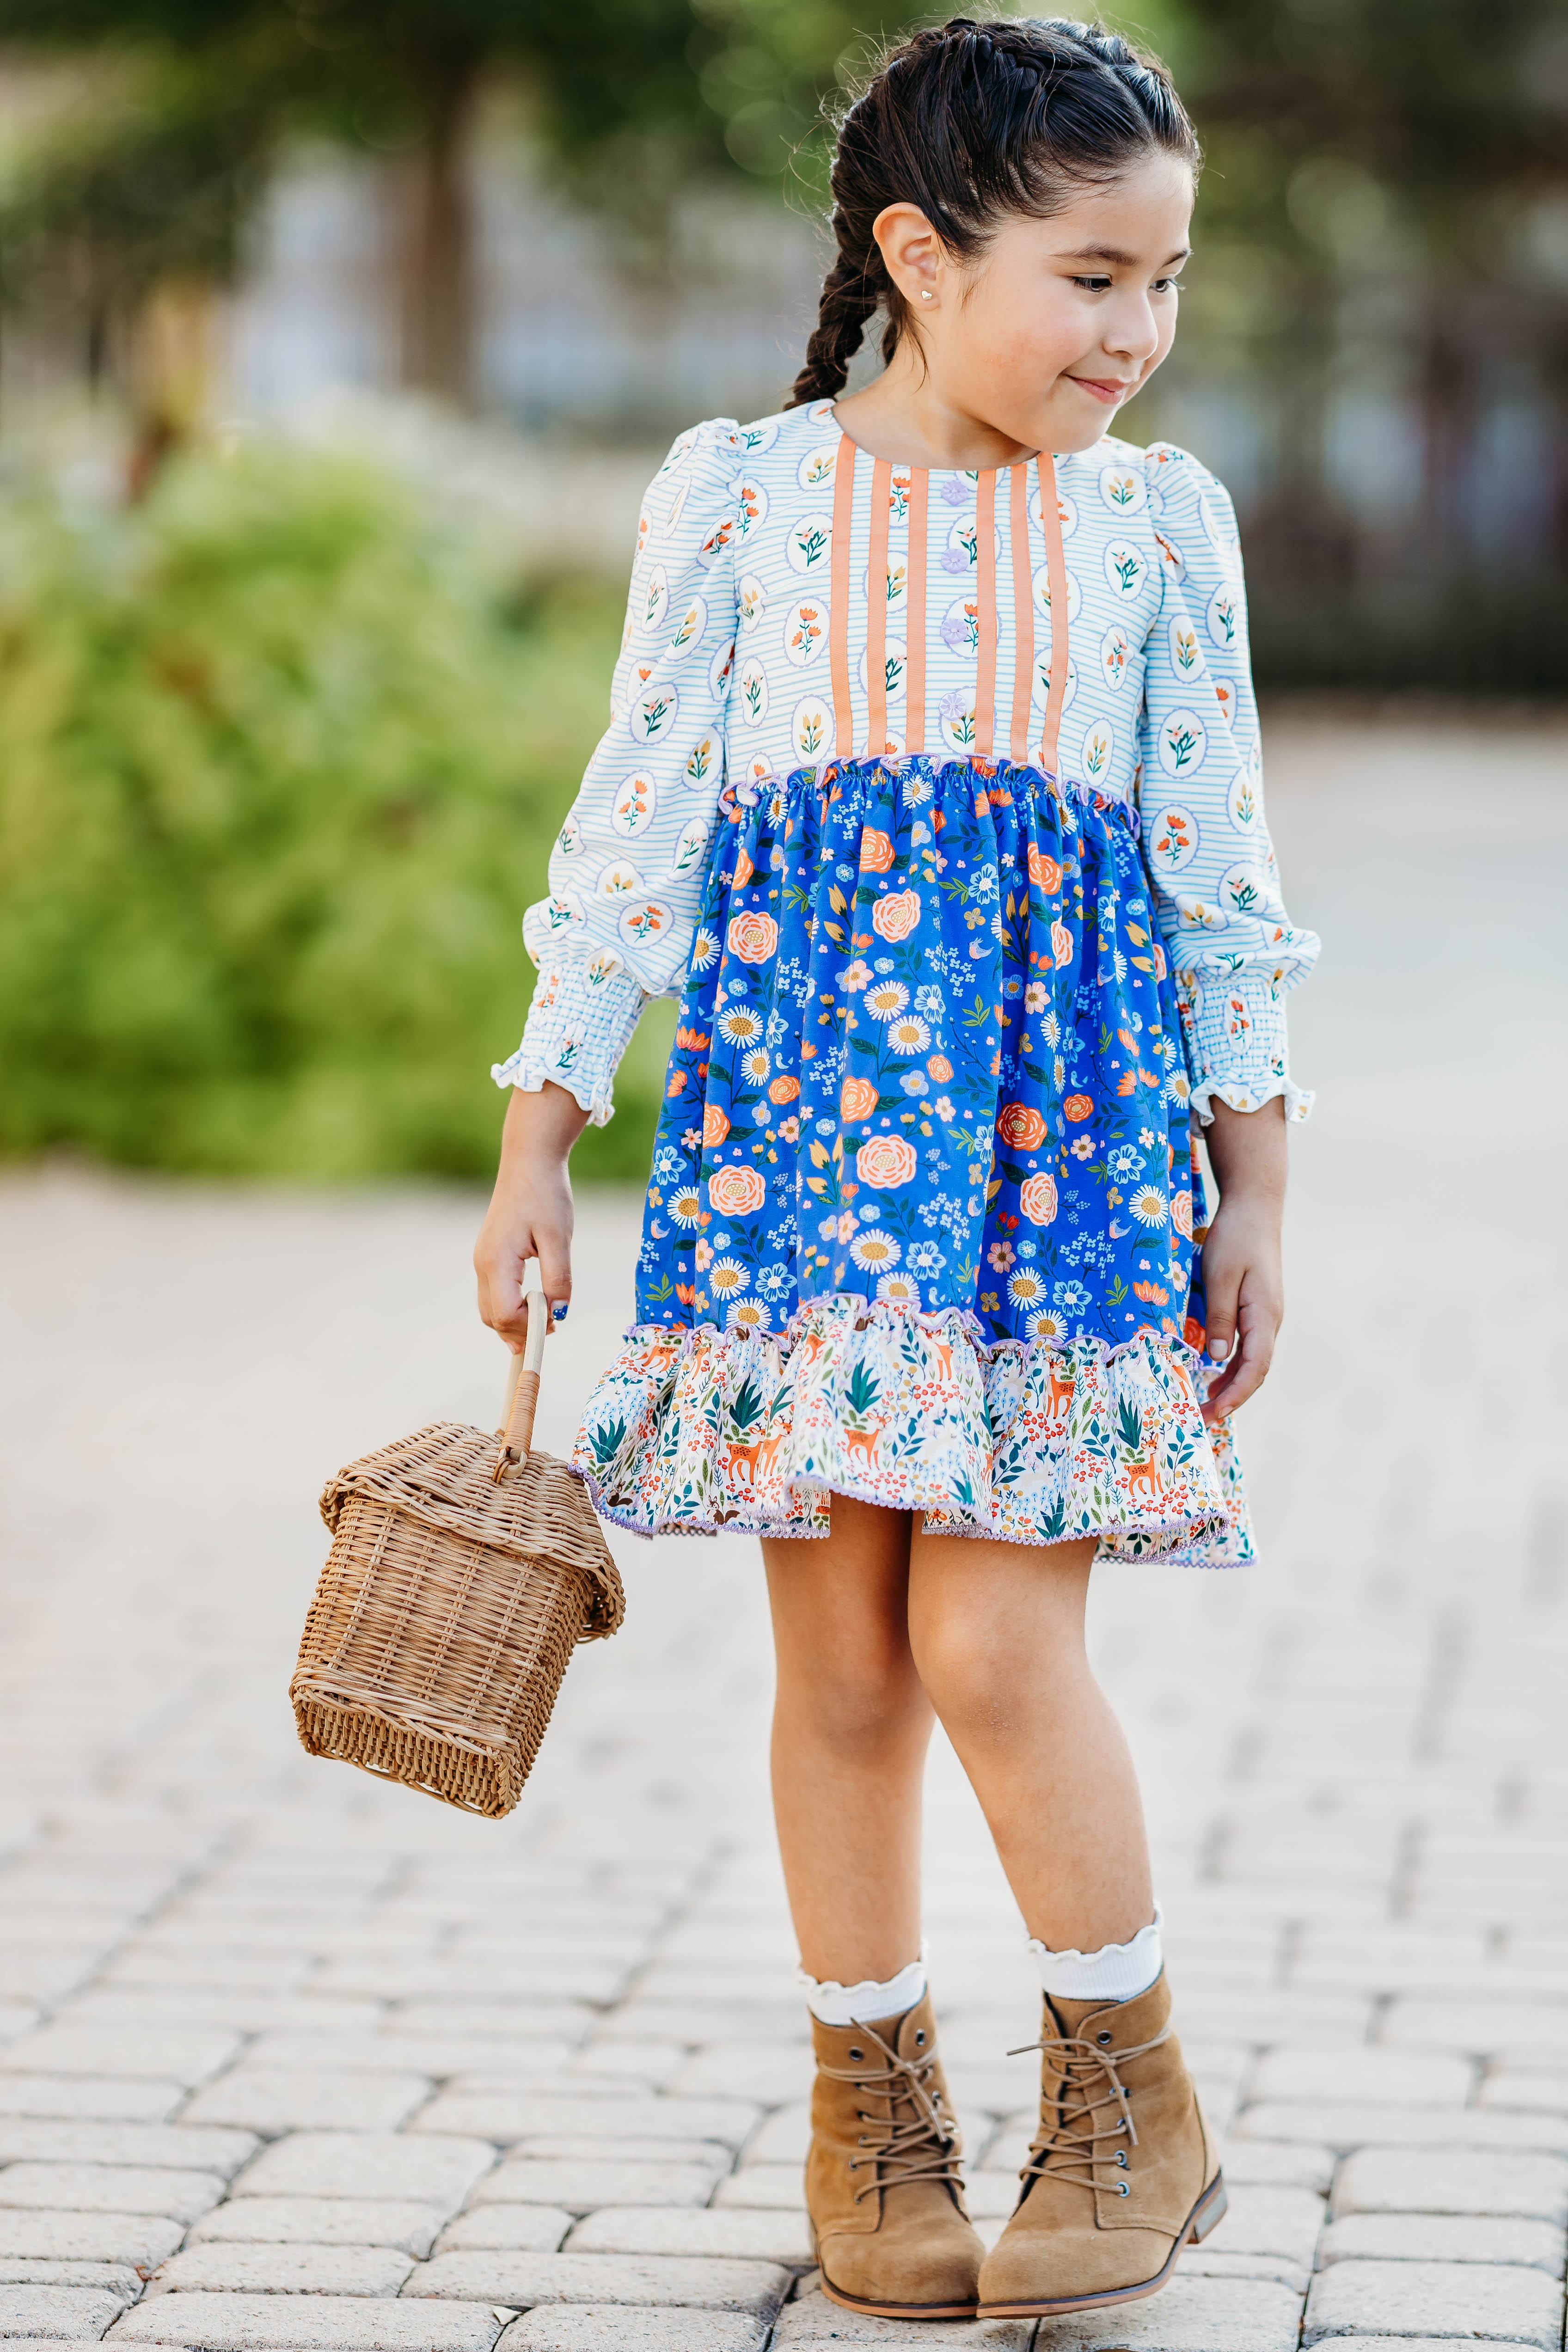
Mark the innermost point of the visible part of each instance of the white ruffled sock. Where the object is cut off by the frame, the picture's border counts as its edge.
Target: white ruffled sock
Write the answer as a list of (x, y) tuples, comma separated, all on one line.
[(865, 2003), (1115, 1972)]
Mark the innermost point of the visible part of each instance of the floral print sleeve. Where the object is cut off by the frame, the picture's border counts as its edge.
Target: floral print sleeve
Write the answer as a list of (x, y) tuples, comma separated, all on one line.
[(1233, 950), (628, 871)]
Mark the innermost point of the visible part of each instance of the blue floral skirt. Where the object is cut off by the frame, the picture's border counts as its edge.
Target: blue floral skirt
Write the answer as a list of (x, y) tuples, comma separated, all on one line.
[(922, 1225)]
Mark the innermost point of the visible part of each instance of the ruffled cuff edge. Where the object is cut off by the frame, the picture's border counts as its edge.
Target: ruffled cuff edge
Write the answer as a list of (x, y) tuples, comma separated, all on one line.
[(1298, 1100), (579, 1025), (1237, 1052)]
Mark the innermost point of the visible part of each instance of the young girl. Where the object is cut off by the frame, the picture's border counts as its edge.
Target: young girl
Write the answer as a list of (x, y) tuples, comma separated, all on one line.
[(932, 789)]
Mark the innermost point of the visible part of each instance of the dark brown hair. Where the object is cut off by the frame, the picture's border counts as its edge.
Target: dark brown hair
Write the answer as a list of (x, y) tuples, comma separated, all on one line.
[(972, 122)]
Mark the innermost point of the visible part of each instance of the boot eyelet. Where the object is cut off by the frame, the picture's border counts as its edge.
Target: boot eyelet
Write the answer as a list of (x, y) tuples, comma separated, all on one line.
[(1124, 2189), (857, 2057), (920, 2039), (1101, 2037), (1121, 2155)]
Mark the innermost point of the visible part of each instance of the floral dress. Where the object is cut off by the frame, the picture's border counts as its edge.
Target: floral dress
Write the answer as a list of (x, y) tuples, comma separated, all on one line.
[(935, 798)]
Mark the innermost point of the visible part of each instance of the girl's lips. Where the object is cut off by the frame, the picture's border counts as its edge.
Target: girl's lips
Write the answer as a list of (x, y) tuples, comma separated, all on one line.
[(1103, 388)]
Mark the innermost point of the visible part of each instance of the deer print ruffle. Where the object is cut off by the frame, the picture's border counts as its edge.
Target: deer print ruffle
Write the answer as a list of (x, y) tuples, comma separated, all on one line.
[(695, 1432)]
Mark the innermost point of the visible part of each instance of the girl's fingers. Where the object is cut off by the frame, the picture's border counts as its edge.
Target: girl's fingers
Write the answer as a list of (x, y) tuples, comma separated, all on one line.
[(553, 1251), (501, 1298), (1243, 1376)]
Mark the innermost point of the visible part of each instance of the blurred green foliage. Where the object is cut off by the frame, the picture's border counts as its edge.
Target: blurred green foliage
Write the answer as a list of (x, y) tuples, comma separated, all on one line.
[(279, 767)]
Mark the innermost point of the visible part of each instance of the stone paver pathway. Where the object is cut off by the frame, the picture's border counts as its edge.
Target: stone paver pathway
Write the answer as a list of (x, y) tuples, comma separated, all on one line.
[(291, 2060)]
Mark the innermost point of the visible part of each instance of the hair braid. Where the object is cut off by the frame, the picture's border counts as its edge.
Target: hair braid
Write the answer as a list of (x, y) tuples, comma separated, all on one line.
[(851, 291)]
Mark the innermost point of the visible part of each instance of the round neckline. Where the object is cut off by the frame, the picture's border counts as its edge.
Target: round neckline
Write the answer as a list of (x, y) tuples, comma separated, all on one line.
[(935, 473)]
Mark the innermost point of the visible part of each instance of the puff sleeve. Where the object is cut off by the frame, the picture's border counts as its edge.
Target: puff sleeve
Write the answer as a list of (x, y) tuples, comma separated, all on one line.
[(1234, 951), (629, 868)]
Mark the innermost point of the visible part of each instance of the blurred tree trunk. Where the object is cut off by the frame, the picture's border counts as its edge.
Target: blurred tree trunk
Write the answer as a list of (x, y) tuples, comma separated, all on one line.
[(436, 260), (1448, 419)]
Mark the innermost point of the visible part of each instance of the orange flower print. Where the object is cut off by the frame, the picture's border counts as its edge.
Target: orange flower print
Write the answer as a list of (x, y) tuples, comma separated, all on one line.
[(715, 1126), (857, 1098), (940, 1068), (885, 1163), (736, 1191), (752, 935), (876, 851), (744, 870), (1021, 1127), (1182, 1212), (1061, 944), (1078, 1107), (783, 1090), (1044, 871), (1193, 1332), (1038, 1200), (895, 917)]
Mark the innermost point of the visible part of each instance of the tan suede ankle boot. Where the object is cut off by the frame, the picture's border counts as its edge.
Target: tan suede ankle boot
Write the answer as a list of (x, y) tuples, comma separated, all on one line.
[(882, 2188), (1121, 2175)]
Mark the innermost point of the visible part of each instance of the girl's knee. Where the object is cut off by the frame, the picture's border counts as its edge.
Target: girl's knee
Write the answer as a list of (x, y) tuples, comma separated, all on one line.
[(855, 1698), (978, 1672)]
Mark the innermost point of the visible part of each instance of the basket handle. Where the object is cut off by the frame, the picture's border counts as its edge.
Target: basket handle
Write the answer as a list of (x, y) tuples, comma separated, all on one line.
[(523, 1381)]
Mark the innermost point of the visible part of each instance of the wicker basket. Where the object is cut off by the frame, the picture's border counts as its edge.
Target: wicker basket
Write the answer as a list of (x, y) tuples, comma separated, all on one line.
[(462, 1572)]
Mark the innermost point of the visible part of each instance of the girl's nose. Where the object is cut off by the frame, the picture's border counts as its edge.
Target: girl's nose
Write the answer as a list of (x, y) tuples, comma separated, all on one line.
[(1134, 333)]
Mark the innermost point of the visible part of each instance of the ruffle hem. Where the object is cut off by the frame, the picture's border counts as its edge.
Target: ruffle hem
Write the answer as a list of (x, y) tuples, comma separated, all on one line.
[(703, 1432)]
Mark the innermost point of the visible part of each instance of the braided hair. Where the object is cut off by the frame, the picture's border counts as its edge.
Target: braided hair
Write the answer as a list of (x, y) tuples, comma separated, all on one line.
[(972, 122)]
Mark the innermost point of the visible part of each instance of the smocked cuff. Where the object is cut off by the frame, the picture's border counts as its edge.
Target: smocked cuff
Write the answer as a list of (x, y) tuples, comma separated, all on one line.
[(1238, 1051), (579, 1025)]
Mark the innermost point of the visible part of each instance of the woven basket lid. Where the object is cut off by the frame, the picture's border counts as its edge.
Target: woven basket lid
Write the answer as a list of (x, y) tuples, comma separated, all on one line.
[(444, 1476)]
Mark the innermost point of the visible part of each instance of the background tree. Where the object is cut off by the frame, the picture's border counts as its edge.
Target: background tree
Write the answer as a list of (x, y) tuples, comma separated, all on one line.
[(157, 175)]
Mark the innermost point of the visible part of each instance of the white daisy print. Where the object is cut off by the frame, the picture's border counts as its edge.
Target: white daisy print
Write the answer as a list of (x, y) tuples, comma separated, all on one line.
[(874, 1251)]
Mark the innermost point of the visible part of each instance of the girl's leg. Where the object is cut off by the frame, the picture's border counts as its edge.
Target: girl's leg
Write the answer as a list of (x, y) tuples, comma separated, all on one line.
[(997, 1633), (851, 1724), (1121, 2173)]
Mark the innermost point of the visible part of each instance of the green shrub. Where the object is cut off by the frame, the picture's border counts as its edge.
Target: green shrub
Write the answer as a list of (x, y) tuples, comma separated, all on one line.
[(280, 768)]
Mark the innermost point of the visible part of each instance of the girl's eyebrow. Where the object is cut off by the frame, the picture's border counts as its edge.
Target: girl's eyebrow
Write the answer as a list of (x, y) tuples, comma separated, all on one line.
[(1113, 253)]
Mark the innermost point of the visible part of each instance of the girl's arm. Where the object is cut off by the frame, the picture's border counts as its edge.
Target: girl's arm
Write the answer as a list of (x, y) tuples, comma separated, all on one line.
[(1233, 950), (627, 872), (629, 868), (530, 1213), (1242, 1276)]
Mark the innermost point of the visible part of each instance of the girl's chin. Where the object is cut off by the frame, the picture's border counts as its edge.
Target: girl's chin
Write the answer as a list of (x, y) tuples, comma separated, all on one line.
[(1069, 440)]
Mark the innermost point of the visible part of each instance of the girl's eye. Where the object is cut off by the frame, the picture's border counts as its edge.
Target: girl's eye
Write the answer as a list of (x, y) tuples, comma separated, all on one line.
[(1095, 285), (1167, 285)]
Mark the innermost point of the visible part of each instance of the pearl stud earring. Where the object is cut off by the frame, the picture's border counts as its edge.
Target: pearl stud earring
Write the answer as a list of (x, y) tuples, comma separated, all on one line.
[(926, 294)]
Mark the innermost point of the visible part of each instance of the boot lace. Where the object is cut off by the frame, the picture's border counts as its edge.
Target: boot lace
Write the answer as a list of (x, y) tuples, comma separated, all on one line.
[(1067, 2150), (919, 2148)]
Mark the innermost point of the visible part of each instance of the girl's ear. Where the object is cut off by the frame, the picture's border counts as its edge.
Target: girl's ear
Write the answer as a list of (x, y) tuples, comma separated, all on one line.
[(912, 255)]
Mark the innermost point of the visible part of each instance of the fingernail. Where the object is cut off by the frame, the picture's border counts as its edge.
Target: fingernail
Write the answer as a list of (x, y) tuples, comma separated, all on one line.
[(559, 1311)]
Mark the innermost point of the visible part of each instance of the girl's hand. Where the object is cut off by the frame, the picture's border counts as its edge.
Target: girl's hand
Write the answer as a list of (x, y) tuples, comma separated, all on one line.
[(1243, 1278), (530, 1213)]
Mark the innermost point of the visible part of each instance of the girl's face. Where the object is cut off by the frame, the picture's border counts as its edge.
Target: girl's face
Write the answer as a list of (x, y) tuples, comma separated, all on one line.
[(1053, 328)]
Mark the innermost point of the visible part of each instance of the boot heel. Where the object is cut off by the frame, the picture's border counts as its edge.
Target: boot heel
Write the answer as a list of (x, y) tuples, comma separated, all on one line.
[(1210, 2209)]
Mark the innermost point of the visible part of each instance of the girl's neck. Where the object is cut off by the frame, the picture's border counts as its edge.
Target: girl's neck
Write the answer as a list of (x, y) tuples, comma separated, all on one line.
[(904, 417)]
